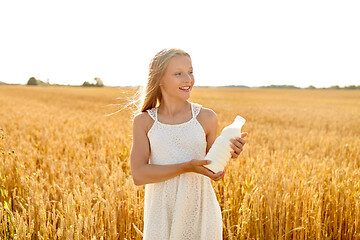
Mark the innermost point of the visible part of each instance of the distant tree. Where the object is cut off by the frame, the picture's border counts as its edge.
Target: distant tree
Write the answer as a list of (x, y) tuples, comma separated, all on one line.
[(352, 87), (311, 87), (335, 87), (280, 86), (236, 86), (86, 84), (98, 81), (32, 81), (42, 83)]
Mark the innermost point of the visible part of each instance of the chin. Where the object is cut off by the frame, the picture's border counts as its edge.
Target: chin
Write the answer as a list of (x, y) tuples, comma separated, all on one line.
[(187, 96)]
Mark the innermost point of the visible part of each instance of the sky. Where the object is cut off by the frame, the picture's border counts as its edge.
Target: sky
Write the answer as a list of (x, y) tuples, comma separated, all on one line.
[(252, 43)]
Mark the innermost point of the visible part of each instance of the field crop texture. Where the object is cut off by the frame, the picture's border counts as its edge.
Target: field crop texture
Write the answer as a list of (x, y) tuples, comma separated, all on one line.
[(65, 171)]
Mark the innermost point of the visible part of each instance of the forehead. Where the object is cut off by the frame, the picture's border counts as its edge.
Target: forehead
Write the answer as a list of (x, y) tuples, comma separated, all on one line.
[(179, 62)]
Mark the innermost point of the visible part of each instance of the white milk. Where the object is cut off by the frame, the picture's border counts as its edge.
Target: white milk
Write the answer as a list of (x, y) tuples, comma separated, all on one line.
[(220, 151)]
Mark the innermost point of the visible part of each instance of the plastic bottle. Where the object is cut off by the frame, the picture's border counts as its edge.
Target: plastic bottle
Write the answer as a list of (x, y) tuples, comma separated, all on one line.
[(220, 151)]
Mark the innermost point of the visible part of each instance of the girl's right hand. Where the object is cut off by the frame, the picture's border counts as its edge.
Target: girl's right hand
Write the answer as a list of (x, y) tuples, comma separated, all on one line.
[(197, 166)]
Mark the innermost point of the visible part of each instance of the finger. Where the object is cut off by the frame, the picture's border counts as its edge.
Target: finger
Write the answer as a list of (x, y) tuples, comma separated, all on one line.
[(206, 171), (244, 134), (237, 149), (220, 175), (202, 162), (234, 155), (233, 146), (240, 140), (237, 142), (240, 149), (207, 162), (215, 176), (217, 179)]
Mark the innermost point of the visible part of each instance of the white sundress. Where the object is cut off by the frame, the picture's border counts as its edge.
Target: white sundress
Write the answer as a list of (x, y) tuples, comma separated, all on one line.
[(183, 207)]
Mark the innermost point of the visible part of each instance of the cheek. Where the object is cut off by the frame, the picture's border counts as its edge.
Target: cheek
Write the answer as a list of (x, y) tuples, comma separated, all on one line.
[(169, 84)]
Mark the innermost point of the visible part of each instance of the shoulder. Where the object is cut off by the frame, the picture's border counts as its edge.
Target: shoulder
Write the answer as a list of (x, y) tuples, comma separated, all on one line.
[(208, 114), (143, 120), (204, 112), (208, 119)]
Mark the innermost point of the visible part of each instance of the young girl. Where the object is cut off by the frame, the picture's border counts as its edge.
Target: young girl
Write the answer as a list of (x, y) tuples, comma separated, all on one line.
[(170, 137)]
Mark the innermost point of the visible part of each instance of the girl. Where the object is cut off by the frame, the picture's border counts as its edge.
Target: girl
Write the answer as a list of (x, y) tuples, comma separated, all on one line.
[(170, 136)]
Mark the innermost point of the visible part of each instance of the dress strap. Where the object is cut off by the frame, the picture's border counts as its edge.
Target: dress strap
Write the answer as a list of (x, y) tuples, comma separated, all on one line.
[(152, 113), (195, 109)]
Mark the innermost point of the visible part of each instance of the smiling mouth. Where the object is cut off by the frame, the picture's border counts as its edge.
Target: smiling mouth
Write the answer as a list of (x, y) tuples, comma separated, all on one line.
[(185, 88)]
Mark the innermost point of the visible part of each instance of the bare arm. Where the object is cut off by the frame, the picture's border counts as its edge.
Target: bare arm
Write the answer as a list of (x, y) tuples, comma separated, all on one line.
[(145, 173), (211, 128)]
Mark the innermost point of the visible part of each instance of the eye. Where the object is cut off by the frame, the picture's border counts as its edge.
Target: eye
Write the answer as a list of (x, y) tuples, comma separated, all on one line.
[(191, 72), (178, 74)]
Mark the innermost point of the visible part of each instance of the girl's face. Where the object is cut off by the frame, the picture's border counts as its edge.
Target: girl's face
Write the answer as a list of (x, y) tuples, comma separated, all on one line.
[(178, 78)]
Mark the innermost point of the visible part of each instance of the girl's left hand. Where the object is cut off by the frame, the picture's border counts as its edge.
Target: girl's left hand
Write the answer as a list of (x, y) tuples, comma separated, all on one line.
[(237, 145)]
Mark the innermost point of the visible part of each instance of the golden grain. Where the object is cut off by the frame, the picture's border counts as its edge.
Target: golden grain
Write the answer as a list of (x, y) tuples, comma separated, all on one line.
[(65, 165)]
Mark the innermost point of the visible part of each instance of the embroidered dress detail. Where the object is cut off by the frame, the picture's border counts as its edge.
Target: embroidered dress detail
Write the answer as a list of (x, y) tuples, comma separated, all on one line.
[(153, 113), (183, 207)]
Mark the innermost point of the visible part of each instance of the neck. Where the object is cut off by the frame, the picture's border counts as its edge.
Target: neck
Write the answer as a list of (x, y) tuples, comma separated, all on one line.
[(172, 108)]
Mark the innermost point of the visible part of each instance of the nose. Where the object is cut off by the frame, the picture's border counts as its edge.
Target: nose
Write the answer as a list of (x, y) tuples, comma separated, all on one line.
[(188, 77)]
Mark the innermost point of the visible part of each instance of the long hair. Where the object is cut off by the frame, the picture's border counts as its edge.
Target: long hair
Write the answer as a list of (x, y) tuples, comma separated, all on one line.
[(151, 96)]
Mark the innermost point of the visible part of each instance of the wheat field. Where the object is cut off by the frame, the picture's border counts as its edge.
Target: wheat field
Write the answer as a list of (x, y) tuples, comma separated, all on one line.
[(65, 172)]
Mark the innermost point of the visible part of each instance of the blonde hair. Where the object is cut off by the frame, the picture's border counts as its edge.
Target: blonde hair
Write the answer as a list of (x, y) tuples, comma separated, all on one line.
[(151, 96)]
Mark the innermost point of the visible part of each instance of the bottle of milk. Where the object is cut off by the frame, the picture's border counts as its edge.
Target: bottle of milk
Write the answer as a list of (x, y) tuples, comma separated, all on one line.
[(220, 151)]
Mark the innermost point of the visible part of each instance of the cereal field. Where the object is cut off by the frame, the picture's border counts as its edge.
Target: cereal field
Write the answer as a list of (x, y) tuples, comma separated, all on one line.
[(65, 172)]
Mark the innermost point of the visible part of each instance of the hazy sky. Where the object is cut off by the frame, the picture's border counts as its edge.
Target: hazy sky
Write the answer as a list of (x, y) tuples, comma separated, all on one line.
[(252, 43)]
